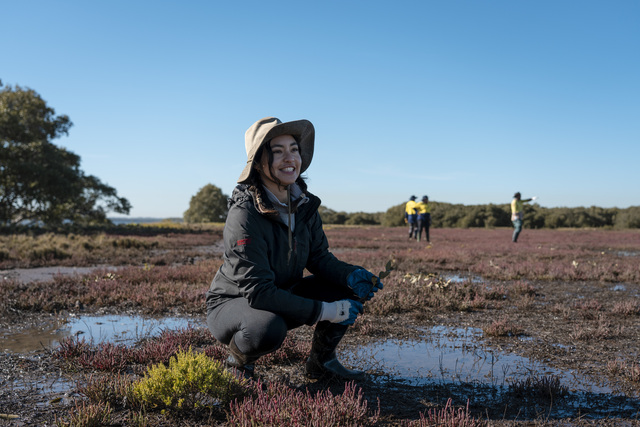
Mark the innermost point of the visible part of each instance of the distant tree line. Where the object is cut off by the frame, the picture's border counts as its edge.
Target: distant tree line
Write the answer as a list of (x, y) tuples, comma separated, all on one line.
[(448, 215), (210, 205)]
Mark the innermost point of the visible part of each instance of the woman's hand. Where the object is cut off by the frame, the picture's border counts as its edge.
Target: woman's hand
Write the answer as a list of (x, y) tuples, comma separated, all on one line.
[(343, 312), (362, 283)]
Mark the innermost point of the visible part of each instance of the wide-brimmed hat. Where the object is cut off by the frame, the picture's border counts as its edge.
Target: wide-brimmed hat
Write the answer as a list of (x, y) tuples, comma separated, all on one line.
[(264, 130)]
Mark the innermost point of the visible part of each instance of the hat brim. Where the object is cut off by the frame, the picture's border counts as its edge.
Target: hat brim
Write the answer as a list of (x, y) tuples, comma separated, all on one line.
[(302, 130)]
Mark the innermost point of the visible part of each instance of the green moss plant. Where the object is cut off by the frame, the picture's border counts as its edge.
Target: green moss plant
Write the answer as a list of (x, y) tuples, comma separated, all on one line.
[(190, 382)]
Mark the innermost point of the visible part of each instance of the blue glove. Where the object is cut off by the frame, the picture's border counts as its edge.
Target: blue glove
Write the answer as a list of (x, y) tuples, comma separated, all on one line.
[(360, 281), (354, 309)]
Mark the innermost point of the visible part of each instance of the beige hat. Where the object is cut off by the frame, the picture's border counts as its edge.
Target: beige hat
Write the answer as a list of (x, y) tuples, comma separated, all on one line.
[(264, 130)]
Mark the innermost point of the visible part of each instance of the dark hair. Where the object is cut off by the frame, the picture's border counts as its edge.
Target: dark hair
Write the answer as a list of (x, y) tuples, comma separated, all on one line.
[(517, 195)]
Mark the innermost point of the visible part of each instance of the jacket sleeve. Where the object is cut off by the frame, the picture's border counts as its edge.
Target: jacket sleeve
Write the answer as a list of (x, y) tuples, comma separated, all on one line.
[(246, 235), (321, 261)]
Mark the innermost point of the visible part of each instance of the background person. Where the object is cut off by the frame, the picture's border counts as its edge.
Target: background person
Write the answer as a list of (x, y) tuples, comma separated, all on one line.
[(424, 217), (517, 214), (411, 217), (272, 233)]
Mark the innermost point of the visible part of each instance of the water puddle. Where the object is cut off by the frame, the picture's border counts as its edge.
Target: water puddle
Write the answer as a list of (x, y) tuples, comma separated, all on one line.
[(455, 362), (99, 328), (449, 355), (456, 278), (628, 253)]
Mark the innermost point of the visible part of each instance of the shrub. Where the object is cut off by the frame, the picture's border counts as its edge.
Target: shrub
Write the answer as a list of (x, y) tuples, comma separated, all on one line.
[(88, 416), (447, 416), (128, 243), (113, 390), (502, 328), (280, 405), (547, 387), (629, 370), (48, 253), (626, 308), (191, 381)]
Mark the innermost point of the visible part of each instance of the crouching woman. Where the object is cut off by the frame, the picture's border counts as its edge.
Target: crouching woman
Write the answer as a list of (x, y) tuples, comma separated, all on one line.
[(272, 233)]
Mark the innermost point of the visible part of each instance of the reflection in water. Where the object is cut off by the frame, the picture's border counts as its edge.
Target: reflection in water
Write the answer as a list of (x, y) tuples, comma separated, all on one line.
[(456, 278), (455, 355), (111, 328)]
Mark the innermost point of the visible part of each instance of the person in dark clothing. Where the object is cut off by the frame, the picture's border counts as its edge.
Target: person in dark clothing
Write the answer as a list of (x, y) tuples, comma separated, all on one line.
[(424, 217), (273, 232)]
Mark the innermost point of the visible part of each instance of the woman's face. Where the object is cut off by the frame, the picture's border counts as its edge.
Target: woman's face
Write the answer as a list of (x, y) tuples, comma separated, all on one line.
[(285, 168)]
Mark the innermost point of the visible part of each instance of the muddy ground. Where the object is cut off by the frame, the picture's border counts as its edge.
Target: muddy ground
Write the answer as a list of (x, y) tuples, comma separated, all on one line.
[(560, 326)]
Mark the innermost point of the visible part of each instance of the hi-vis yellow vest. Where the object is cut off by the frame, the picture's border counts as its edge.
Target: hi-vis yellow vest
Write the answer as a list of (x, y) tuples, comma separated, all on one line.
[(423, 208), (410, 207)]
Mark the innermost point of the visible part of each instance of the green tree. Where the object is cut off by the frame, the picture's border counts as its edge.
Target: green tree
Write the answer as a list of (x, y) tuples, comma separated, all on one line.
[(208, 205), (627, 218), (394, 216), (362, 218), (40, 182), (329, 216)]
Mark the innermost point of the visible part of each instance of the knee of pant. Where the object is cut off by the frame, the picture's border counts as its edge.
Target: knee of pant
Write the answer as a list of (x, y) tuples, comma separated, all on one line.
[(266, 337)]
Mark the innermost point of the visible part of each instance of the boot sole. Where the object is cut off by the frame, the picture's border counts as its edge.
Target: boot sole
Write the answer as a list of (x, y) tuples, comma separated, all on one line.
[(326, 374)]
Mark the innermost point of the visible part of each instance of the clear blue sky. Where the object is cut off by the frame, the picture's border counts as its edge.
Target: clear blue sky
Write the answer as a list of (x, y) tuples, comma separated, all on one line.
[(465, 101)]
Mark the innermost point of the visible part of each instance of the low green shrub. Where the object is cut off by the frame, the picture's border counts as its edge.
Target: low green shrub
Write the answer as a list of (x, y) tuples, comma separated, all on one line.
[(48, 253), (191, 381)]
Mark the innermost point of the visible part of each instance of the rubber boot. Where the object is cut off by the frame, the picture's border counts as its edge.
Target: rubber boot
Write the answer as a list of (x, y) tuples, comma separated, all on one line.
[(241, 363), (322, 361)]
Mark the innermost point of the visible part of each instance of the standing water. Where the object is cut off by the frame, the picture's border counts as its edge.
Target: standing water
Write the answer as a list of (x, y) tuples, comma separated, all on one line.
[(96, 328), (457, 355)]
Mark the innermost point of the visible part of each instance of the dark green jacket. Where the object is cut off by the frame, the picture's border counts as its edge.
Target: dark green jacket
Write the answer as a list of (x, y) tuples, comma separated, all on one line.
[(256, 259)]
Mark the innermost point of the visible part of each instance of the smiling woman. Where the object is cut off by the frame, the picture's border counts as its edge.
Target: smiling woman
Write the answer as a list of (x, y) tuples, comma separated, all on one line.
[(272, 234), (279, 165)]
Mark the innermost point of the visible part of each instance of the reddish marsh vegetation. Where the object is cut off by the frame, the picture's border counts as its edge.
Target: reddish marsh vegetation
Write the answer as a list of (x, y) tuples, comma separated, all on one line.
[(563, 297), (570, 255)]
